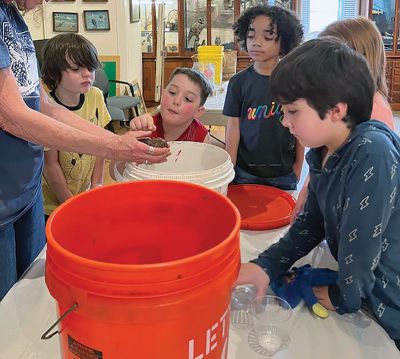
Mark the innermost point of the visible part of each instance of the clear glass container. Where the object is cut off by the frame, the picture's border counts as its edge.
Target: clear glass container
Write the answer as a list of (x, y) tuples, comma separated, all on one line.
[(270, 316)]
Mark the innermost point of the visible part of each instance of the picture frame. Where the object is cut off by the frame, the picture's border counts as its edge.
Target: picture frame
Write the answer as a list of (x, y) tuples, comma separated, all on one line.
[(96, 20), (65, 22), (63, 0), (134, 10), (141, 107), (94, 0)]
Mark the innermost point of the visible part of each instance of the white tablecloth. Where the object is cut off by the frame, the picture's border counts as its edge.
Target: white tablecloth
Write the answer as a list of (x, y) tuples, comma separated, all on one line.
[(353, 336), (28, 310)]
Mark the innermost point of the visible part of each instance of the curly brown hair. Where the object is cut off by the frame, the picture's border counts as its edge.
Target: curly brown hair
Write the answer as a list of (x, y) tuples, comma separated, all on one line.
[(288, 27)]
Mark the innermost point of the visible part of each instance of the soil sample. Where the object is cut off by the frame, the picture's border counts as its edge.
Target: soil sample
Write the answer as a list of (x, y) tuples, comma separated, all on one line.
[(155, 142)]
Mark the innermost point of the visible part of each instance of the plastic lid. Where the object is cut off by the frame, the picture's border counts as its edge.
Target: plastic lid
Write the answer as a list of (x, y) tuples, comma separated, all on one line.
[(261, 207)]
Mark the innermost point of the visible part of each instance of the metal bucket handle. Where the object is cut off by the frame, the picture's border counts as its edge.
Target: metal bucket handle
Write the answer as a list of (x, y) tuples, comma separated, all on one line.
[(46, 334)]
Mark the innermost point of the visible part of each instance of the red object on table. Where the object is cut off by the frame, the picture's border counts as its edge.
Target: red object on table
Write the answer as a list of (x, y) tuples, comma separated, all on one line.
[(262, 207)]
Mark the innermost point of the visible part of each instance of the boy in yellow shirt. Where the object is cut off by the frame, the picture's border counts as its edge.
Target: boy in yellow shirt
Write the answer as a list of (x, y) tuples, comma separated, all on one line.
[(69, 63)]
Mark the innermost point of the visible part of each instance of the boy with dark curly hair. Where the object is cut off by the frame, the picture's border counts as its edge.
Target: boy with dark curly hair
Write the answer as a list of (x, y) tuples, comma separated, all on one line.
[(262, 150)]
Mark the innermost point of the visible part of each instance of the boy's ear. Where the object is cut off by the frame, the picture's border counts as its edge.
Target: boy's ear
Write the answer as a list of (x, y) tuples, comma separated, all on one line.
[(339, 111), (200, 112)]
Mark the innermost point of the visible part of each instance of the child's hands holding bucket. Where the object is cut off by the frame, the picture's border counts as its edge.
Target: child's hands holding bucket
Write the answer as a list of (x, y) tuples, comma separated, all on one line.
[(251, 273), (142, 123)]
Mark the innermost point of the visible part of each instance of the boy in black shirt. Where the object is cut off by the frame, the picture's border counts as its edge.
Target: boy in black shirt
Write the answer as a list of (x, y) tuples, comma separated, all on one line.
[(263, 151)]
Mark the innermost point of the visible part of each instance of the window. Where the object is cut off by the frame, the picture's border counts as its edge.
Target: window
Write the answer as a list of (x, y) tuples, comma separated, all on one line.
[(317, 14)]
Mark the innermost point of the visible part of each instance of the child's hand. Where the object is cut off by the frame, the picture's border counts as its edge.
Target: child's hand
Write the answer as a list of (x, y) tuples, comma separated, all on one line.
[(251, 273), (142, 123), (321, 293)]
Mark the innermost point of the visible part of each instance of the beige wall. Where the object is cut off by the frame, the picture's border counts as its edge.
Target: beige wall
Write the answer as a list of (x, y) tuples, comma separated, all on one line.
[(122, 40)]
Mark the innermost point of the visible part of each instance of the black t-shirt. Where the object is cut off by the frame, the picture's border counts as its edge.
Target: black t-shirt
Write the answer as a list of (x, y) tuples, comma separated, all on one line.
[(266, 148)]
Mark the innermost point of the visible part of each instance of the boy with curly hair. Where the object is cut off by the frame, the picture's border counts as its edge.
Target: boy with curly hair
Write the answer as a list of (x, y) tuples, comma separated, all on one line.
[(262, 150)]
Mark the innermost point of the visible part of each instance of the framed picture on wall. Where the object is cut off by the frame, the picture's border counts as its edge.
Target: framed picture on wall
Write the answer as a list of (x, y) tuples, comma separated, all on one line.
[(96, 20), (63, 0), (134, 10), (65, 22), (94, 0), (141, 107)]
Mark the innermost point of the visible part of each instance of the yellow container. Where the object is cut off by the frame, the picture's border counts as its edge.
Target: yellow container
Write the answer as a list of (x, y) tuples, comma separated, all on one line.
[(215, 49), (213, 54)]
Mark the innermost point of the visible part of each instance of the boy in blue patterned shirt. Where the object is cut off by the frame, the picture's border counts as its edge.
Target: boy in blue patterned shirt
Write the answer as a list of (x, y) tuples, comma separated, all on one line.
[(326, 89)]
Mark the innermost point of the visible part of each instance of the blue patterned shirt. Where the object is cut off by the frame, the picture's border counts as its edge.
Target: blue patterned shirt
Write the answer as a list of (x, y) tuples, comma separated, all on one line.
[(353, 203)]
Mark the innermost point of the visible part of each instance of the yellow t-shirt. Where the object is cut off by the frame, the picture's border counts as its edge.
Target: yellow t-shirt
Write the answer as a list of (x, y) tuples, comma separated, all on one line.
[(78, 168)]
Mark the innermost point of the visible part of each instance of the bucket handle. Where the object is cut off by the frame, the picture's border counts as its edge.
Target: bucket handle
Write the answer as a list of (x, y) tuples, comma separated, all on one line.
[(46, 334)]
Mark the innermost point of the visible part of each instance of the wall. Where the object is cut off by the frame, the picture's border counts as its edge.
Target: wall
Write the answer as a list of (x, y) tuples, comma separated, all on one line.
[(122, 40)]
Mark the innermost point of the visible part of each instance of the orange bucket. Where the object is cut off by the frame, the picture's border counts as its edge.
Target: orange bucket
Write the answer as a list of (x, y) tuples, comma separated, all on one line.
[(144, 270)]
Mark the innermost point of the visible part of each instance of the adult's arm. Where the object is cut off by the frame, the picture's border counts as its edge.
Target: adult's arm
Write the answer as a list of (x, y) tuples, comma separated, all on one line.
[(72, 134)]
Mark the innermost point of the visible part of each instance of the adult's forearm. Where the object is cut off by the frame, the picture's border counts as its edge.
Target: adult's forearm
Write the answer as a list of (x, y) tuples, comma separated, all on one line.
[(19, 120), (72, 135), (69, 118), (38, 128)]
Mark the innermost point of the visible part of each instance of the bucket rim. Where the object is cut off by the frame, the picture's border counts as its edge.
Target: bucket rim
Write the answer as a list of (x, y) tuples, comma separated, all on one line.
[(140, 267), (132, 169)]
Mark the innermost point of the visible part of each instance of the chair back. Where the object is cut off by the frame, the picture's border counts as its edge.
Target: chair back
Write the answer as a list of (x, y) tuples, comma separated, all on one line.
[(39, 45), (101, 81)]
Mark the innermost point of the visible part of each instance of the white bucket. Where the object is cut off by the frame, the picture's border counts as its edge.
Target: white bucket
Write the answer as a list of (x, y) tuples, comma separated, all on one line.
[(194, 162)]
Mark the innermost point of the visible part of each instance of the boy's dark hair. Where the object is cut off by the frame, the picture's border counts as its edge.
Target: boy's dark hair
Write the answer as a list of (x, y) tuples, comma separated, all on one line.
[(78, 49), (196, 77), (325, 72), (288, 27)]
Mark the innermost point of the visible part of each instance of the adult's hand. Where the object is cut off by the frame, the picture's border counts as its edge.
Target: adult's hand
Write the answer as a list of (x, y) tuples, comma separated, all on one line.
[(251, 273), (128, 148), (142, 123)]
